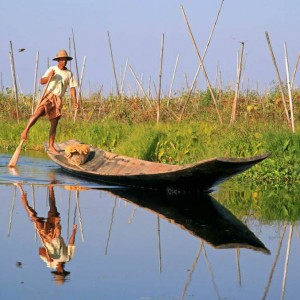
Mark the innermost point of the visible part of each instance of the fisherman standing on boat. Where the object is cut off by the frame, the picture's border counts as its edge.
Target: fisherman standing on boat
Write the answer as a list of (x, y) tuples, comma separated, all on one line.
[(58, 79)]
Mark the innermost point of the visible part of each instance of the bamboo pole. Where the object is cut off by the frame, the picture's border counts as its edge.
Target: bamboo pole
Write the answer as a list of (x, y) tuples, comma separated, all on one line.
[(35, 81), (212, 31), (113, 64), (189, 94), (80, 85), (77, 72), (70, 53), (160, 77), (289, 87), (140, 85), (202, 66), (173, 78), (278, 77), (13, 72), (123, 78), (295, 70), (237, 85), (197, 72), (1, 83)]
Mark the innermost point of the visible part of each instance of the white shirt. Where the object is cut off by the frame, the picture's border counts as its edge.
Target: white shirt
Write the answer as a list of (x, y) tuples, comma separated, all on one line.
[(60, 81)]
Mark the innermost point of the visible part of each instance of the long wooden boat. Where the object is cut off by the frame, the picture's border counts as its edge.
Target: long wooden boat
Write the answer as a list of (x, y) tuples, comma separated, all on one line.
[(121, 170), (198, 214)]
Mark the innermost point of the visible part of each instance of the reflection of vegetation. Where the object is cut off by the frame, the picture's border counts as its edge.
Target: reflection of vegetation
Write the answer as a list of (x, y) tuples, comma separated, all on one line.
[(264, 203)]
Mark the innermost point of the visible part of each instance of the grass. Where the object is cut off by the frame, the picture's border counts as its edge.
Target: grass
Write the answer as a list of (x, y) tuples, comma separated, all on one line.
[(128, 126)]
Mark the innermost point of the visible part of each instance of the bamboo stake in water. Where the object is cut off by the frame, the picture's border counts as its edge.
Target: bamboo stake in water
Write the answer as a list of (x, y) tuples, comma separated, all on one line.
[(289, 88), (160, 76), (202, 66), (35, 81), (279, 79), (13, 72), (113, 64)]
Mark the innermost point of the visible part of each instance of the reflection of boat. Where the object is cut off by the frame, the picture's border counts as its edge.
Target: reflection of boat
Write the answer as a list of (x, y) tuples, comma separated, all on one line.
[(206, 219), (121, 170)]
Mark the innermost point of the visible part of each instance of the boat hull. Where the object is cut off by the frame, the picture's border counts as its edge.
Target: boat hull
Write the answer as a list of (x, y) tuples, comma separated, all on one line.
[(120, 170)]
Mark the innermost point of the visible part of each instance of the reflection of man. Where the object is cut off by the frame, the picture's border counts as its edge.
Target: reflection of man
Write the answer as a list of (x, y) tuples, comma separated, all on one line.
[(55, 253)]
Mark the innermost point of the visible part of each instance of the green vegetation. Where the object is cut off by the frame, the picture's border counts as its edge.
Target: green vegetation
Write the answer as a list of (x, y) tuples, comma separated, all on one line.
[(128, 126)]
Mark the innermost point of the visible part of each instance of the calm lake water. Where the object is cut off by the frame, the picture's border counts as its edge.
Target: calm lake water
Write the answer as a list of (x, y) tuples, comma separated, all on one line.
[(135, 245)]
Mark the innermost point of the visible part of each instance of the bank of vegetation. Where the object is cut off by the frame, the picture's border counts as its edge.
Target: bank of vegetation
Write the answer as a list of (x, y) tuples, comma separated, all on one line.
[(186, 131)]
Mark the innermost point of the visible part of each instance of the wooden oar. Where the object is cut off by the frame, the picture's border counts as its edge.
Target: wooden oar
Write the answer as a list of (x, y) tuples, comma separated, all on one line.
[(12, 163)]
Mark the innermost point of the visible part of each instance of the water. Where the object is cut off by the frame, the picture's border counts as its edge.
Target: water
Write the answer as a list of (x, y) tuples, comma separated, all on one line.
[(134, 245)]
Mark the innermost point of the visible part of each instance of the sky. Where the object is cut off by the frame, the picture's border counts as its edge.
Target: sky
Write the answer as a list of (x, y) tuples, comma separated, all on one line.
[(136, 29)]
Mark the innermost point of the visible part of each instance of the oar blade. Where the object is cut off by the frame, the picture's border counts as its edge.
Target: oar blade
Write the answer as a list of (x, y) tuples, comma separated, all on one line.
[(12, 163)]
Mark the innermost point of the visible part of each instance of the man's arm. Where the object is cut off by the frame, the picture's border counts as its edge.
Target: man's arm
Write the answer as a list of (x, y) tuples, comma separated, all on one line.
[(45, 80), (74, 97)]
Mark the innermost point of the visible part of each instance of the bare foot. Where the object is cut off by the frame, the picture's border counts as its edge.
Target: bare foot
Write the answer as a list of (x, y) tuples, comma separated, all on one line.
[(24, 135), (53, 150)]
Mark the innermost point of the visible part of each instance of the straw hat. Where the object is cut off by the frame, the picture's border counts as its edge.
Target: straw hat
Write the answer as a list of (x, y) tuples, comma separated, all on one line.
[(62, 54)]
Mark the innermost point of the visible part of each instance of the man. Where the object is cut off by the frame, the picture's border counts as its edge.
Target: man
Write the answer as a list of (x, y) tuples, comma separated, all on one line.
[(59, 78)]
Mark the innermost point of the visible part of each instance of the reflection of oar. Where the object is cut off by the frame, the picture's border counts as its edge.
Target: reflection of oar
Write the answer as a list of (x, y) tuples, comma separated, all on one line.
[(79, 214)]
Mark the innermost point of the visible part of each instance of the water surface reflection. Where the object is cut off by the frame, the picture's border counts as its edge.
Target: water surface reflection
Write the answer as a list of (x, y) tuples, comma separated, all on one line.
[(136, 245)]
